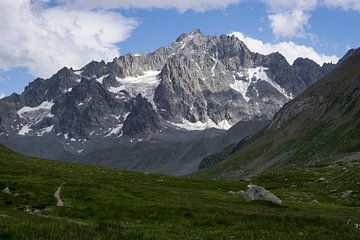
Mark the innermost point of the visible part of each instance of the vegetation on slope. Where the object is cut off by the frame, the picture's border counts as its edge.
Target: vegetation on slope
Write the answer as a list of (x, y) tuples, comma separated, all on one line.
[(105, 203)]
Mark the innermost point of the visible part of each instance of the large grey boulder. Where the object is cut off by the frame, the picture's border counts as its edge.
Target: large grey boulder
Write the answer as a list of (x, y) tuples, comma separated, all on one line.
[(254, 192)]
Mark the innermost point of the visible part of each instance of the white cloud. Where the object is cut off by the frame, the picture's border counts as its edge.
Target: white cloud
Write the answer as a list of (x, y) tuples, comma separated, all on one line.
[(290, 18), (285, 5), (289, 50), (74, 32), (180, 5), (45, 40), (2, 95), (289, 24), (344, 4)]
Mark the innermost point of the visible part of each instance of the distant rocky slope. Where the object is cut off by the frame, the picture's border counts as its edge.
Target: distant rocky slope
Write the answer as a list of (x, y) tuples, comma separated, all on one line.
[(320, 126), (198, 82)]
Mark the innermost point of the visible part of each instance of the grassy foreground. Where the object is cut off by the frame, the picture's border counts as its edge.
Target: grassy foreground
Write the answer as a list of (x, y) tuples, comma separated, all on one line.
[(105, 203)]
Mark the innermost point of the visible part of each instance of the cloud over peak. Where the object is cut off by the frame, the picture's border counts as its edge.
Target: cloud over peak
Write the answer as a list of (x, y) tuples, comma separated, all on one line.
[(290, 18), (44, 35), (289, 50), (44, 40)]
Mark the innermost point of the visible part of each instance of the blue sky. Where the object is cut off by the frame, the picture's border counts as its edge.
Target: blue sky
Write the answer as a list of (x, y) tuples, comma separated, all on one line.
[(105, 29)]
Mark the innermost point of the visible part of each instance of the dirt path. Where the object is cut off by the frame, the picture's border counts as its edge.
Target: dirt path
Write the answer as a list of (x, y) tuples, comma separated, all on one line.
[(59, 202)]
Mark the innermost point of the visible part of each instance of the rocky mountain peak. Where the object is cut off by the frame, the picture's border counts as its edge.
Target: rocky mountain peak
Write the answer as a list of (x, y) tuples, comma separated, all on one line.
[(188, 36), (348, 54), (143, 119), (198, 82)]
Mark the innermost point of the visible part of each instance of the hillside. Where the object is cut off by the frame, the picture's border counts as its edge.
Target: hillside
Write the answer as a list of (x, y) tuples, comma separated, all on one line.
[(319, 127), (102, 203)]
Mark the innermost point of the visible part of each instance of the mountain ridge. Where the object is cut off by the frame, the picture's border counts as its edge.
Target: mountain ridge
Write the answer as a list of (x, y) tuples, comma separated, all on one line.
[(320, 126), (198, 82)]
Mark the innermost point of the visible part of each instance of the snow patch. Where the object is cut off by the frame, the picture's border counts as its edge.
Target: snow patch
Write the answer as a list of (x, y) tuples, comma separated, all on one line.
[(24, 130), (68, 90), (126, 116), (101, 79), (145, 85), (213, 68), (199, 126), (44, 130), (241, 86), (224, 124), (116, 130), (36, 114), (243, 79)]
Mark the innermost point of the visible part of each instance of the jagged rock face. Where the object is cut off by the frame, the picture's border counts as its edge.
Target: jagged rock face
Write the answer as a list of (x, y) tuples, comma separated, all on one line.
[(335, 97), (198, 82), (180, 91), (219, 79), (283, 73), (142, 119), (42, 90), (87, 109), (308, 71)]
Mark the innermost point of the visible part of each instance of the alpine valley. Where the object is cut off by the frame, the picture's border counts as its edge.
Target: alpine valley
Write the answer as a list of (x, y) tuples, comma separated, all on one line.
[(162, 111), (269, 150)]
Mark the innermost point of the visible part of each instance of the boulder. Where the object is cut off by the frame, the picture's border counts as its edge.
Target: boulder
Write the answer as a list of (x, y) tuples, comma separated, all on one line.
[(254, 192), (346, 194), (6, 190), (315, 201)]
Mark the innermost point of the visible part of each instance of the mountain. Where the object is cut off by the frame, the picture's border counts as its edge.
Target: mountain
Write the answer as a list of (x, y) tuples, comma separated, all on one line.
[(319, 127), (197, 83)]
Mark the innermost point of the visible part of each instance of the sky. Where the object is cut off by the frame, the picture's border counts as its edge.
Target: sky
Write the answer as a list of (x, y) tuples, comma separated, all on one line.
[(38, 37)]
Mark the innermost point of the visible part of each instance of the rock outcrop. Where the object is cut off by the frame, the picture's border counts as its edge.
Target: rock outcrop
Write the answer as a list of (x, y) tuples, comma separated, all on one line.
[(254, 193)]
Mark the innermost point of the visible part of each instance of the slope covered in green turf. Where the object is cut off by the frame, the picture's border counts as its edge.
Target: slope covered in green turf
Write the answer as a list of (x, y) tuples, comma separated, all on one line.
[(105, 203)]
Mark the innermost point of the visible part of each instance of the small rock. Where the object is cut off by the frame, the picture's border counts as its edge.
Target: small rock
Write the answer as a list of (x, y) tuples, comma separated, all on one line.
[(28, 209), (346, 194), (321, 179), (6, 190), (241, 192), (333, 191), (37, 211), (315, 201)]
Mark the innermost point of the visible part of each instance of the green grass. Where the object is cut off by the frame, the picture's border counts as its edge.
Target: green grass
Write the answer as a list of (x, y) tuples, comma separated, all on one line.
[(103, 203), (276, 150)]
